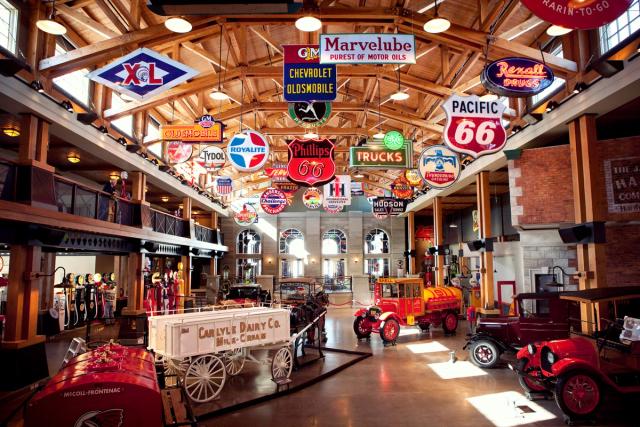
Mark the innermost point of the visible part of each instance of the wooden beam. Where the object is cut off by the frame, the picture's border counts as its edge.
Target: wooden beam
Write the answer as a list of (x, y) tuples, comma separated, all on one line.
[(266, 37), (87, 22)]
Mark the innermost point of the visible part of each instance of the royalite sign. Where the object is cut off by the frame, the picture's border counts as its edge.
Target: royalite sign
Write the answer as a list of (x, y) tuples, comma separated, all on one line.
[(516, 77), (211, 157), (205, 129), (380, 157), (310, 115), (622, 177), (248, 151), (387, 206), (311, 161), (439, 166), (367, 49), (474, 127), (177, 152), (273, 201), (305, 79), (578, 14)]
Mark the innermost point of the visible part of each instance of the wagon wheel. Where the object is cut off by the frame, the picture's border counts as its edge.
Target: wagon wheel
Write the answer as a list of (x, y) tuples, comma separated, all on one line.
[(204, 378), (282, 364), (175, 367), (234, 360)]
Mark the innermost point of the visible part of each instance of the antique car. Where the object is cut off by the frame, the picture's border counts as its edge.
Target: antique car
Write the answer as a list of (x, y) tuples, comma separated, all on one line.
[(406, 302), (296, 290), (579, 370), (246, 293), (536, 317)]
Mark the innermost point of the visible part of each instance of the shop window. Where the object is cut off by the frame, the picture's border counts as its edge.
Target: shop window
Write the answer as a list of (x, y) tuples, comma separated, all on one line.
[(8, 26), (557, 82), (76, 84), (376, 267), (334, 242), (292, 243), (614, 33), (376, 242), (333, 267), (155, 149), (248, 269), (249, 243), (123, 124)]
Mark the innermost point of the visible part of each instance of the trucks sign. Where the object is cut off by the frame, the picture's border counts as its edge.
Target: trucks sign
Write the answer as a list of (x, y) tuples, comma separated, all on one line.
[(380, 157), (367, 49), (305, 79)]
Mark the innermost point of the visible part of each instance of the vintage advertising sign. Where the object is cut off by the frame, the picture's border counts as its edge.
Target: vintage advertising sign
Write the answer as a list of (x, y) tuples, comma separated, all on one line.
[(312, 198), (474, 127), (205, 129), (305, 78), (401, 189), (273, 201), (212, 157), (388, 206), (380, 157), (516, 77), (439, 166), (246, 216), (142, 74), (310, 115), (277, 172), (367, 49), (338, 191), (177, 152), (248, 151), (332, 208), (413, 177), (311, 161), (356, 188), (224, 185), (622, 178), (578, 14)]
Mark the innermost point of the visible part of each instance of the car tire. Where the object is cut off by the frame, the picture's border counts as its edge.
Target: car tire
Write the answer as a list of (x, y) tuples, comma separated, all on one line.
[(358, 328), (579, 394), (527, 383), (484, 354), (450, 322), (390, 330)]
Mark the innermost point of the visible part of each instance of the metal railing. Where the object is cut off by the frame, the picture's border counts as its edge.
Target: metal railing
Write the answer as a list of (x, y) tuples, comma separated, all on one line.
[(168, 224), (204, 234)]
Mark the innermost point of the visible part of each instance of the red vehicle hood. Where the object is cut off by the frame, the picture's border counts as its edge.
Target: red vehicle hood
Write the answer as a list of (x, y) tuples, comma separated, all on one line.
[(575, 348)]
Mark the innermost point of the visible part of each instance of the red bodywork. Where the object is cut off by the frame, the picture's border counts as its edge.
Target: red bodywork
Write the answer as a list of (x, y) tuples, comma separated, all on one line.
[(108, 387)]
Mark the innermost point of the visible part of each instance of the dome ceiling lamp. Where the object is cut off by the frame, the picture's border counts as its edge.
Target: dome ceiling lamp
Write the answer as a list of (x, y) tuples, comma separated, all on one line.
[(399, 95), (50, 25), (178, 25), (309, 23), (437, 24), (557, 31)]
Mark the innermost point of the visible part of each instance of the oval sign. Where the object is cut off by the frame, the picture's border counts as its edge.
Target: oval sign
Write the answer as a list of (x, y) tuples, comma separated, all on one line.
[(312, 198), (212, 157), (246, 216), (248, 151), (578, 14), (516, 77), (401, 188), (177, 152), (439, 166), (273, 201)]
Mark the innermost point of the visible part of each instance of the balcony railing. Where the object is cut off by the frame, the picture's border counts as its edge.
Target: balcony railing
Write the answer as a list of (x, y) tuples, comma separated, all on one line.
[(169, 224), (204, 234)]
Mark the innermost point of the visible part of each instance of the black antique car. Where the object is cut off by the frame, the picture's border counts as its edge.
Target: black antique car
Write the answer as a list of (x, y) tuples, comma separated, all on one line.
[(247, 293), (536, 317)]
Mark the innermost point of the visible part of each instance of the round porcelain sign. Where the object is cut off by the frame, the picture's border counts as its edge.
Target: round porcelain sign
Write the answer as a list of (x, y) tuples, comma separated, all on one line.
[(312, 198), (248, 151), (578, 14), (273, 201), (212, 157), (246, 216), (439, 166)]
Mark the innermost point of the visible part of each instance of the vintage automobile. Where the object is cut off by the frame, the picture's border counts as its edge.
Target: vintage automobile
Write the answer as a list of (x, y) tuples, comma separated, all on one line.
[(405, 301), (246, 293), (536, 317), (581, 369)]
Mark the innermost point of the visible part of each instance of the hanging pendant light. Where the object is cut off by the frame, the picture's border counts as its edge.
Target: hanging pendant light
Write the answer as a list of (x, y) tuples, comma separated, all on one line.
[(50, 25), (399, 95), (436, 24), (308, 23), (178, 25), (557, 30), (311, 135), (218, 94)]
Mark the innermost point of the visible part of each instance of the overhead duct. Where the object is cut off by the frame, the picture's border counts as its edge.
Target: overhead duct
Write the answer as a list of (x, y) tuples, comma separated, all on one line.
[(214, 7)]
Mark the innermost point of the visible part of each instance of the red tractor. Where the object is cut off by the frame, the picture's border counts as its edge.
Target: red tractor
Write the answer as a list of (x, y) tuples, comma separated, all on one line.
[(406, 302)]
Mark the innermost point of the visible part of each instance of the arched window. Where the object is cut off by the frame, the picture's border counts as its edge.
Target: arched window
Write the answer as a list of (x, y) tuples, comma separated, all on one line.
[(376, 242), (249, 243), (334, 242), (292, 243)]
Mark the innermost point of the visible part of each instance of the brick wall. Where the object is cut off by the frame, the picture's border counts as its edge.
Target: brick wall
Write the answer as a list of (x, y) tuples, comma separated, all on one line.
[(623, 264)]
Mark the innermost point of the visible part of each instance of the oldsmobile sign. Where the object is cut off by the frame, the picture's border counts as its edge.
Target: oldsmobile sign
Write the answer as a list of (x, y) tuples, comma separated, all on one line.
[(367, 49)]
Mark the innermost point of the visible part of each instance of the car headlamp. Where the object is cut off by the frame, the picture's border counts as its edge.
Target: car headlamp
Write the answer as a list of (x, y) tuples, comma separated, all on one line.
[(531, 349), (551, 358)]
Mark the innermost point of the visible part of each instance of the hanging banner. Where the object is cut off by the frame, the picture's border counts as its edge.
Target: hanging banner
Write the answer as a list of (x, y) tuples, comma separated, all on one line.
[(516, 77), (311, 161), (273, 201), (578, 14), (439, 166), (474, 127), (212, 157), (246, 216), (205, 129), (310, 115), (338, 191), (622, 177), (380, 157), (248, 151), (312, 198), (388, 206), (305, 79), (142, 74), (177, 152), (224, 185), (367, 49), (401, 189)]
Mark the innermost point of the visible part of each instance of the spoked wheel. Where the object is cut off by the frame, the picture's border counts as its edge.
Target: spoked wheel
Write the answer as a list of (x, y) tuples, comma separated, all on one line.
[(175, 367), (360, 328), (234, 360), (390, 330), (450, 322), (578, 394), (204, 378), (282, 364), (484, 354)]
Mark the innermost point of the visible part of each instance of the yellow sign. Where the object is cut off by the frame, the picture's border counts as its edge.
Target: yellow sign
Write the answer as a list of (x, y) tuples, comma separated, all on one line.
[(192, 133)]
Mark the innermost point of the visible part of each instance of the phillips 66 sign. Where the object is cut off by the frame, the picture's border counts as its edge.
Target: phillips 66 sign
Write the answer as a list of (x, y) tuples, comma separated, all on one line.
[(474, 127)]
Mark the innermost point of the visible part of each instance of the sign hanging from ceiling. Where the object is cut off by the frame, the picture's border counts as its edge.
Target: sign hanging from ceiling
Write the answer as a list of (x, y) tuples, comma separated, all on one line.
[(413, 177), (401, 189), (205, 129), (380, 157), (578, 14), (273, 201), (338, 191), (310, 115), (277, 172), (474, 127), (248, 151), (367, 49), (311, 161), (312, 198), (224, 185), (305, 79), (332, 208), (388, 206), (439, 166), (177, 152), (142, 74), (211, 157), (246, 216), (516, 77)]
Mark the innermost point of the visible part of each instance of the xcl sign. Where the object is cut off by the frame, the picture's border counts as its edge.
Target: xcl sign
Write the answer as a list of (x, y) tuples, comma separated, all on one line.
[(212, 157)]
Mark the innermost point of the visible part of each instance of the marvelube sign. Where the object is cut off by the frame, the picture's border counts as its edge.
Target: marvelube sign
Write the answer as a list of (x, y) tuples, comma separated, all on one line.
[(388, 206), (439, 166), (516, 77), (378, 156), (578, 14), (310, 115), (367, 49), (305, 79), (248, 151), (311, 161)]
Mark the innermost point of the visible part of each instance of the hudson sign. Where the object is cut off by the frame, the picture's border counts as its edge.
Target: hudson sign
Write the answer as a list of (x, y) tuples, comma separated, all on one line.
[(367, 49)]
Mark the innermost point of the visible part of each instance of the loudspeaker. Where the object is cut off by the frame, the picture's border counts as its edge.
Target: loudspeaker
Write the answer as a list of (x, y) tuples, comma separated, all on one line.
[(432, 250), (483, 245), (582, 234), (87, 118), (607, 68), (150, 246), (10, 66)]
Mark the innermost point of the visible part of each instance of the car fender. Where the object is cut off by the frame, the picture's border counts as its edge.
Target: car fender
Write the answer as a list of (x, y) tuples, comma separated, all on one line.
[(361, 312), (567, 364), (389, 315), (485, 337)]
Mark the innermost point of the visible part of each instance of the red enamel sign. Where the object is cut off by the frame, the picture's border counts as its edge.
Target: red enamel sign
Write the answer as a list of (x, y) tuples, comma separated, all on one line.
[(578, 14), (474, 127), (311, 162)]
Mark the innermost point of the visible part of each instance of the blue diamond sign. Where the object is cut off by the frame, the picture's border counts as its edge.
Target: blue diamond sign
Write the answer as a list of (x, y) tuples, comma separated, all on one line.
[(143, 74)]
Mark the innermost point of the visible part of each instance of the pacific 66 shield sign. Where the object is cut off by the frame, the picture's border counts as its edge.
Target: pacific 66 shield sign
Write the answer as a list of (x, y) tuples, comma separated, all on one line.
[(474, 127), (305, 79)]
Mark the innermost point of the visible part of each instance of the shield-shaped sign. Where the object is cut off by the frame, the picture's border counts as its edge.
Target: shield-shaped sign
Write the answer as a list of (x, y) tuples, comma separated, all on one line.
[(224, 185), (474, 127), (142, 74), (177, 152), (310, 115), (211, 157), (311, 161)]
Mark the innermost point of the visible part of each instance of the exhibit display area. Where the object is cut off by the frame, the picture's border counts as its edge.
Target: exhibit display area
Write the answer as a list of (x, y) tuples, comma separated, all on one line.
[(338, 213)]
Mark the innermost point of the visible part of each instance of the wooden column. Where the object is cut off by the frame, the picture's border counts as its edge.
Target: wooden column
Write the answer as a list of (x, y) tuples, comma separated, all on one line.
[(34, 142), (135, 285), (186, 259), (486, 257), (588, 205), (411, 240), (213, 266), (47, 291), (138, 183), (439, 239)]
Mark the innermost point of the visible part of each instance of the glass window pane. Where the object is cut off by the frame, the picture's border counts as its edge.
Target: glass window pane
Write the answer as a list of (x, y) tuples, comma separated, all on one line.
[(617, 31), (8, 26)]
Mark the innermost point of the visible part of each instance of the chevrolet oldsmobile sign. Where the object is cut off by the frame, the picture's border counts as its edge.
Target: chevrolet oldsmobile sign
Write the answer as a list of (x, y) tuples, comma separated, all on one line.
[(142, 74), (367, 49), (305, 79), (380, 157)]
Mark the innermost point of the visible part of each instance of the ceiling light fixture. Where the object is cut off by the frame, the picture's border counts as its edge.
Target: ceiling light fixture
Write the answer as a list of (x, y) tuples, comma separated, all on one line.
[(436, 24), (557, 31), (114, 176), (11, 130), (50, 25), (311, 135), (73, 158), (399, 95), (67, 105), (165, 199), (178, 25), (308, 23), (358, 174)]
